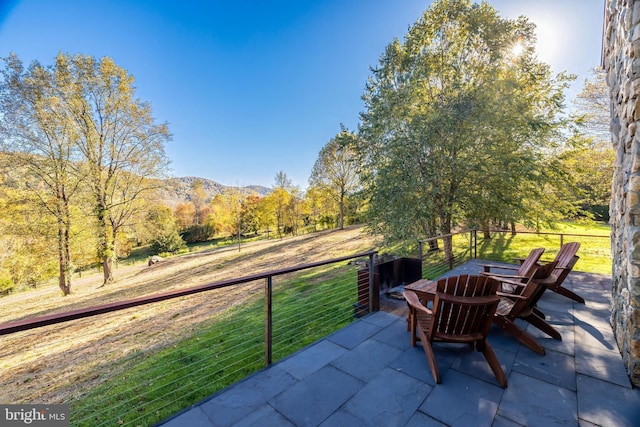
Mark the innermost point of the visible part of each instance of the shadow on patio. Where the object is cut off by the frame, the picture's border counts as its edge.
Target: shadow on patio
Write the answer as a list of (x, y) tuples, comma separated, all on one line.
[(367, 374)]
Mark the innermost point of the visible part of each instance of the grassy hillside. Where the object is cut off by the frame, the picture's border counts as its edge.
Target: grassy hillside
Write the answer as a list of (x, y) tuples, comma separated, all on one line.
[(137, 366)]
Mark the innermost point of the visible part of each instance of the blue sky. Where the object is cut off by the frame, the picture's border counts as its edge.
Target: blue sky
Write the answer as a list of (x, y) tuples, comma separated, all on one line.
[(250, 88)]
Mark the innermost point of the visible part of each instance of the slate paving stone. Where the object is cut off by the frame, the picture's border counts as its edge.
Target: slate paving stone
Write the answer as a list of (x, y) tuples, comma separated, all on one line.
[(421, 420), (240, 400), (413, 362), (583, 423), (529, 401), (263, 416), (566, 345), (602, 364), (500, 421), (461, 400), (592, 296), (553, 367), (389, 399), (473, 363), (355, 334), (592, 331), (558, 315), (499, 339), (380, 318), (596, 314), (342, 418), (367, 359), (395, 335), (311, 359), (552, 301), (193, 418), (607, 404), (397, 387), (315, 398)]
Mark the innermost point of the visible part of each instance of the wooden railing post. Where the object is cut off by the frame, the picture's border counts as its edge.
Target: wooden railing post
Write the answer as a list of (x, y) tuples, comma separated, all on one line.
[(420, 250), (268, 320), (475, 243), (371, 284)]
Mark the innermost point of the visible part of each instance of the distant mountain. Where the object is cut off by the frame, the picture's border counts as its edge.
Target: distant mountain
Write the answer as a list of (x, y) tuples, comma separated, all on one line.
[(178, 190)]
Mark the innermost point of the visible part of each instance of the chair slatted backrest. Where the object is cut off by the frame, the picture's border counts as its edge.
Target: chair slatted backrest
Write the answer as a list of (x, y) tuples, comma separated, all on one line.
[(464, 307), (530, 263), (566, 259), (533, 290)]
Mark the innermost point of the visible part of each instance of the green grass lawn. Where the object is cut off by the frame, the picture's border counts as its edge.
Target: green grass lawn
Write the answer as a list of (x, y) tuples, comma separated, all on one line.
[(306, 307), (594, 252)]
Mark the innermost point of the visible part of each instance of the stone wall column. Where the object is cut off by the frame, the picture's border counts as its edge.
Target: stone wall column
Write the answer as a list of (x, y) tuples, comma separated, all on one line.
[(621, 57)]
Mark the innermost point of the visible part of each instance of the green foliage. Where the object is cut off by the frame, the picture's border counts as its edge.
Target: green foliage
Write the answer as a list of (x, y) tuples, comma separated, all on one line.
[(171, 243), (594, 252), (589, 158), (6, 285), (198, 233), (457, 129), (335, 173), (229, 347), (162, 227), (81, 133)]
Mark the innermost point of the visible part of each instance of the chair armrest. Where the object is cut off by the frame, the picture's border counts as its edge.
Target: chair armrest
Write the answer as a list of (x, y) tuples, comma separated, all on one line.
[(511, 296), (487, 267), (512, 282), (414, 302), (506, 277)]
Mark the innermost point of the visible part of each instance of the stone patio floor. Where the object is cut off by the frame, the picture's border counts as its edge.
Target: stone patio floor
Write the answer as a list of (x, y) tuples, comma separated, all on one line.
[(367, 374)]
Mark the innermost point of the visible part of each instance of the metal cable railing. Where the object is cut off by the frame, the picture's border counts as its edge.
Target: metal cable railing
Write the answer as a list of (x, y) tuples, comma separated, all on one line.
[(138, 361), (506, 246)]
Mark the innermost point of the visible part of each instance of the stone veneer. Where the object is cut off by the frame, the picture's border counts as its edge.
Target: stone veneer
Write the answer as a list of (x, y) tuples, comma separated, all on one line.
[(621, 60)]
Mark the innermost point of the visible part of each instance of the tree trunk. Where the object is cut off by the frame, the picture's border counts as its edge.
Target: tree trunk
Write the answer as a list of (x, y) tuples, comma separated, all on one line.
[(433, 244), (107, 269), (448, 250), (486, 234), (105, 242), (64, 246), (448, 242), (341, 211), (64, 255)]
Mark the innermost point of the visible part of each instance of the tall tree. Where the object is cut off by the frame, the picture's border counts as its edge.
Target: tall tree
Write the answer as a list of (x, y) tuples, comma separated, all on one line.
[(335, 170), (162, 229), (40, 136), (592, 105), (590, 156), (280, 199), (121, 145), (249, 214), (27, 234), (453, 114), (199, 199)]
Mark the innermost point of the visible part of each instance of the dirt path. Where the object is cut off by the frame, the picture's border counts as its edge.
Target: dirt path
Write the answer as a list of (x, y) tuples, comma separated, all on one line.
[(52, 364)]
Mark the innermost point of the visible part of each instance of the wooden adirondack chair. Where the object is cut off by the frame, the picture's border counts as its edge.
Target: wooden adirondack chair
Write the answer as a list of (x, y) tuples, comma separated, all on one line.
[(523, 271), (463, 308), (521, 304), (565, 261)]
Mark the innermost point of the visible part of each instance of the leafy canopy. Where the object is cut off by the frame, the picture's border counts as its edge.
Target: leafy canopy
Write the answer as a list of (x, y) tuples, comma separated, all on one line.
[(458, 124)]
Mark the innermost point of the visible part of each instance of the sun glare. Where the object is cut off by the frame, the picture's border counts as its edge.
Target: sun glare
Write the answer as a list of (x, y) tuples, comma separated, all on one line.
[(517, 49)]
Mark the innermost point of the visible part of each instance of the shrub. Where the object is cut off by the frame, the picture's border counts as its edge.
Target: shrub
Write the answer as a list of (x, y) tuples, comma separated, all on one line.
[(171, 243)]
